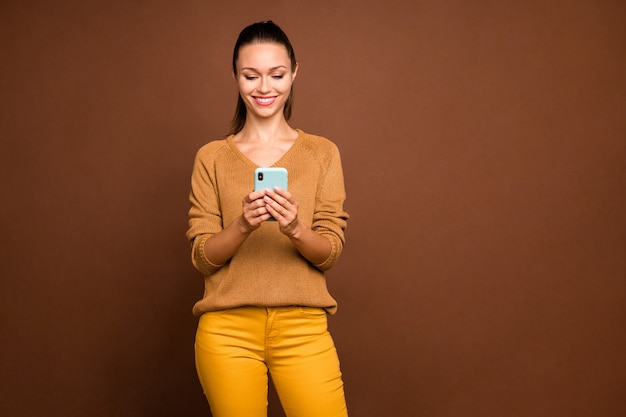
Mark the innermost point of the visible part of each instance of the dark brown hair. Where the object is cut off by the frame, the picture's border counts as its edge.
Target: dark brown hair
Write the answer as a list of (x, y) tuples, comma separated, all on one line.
[(260, 32)]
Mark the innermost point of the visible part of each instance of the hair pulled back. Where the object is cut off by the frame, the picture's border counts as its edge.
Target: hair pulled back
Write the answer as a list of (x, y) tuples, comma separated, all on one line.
[(260, 32)]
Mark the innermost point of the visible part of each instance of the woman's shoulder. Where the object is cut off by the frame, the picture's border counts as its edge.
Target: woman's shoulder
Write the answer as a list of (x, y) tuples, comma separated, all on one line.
[(212, 149), (209, 154), (318, 142)]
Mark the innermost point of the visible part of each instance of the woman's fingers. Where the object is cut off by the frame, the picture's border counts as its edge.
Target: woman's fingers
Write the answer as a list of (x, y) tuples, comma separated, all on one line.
[(282, 206), (254, 209), (259, 206)]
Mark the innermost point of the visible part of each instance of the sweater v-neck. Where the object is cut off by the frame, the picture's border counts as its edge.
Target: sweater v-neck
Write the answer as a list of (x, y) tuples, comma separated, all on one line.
[(244, 158)]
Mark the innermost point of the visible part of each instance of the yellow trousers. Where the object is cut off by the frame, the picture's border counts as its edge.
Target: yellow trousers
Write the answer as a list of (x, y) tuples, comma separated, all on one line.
[(236, 348)]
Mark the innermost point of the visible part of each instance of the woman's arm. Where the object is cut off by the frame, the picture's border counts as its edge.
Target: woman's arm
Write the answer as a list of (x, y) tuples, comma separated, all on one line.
[(314, 247), (284, 208), (220, 247)]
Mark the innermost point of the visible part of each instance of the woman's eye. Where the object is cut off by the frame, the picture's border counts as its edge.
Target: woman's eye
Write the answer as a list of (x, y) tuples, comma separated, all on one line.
[(277, 77), (250, 77)]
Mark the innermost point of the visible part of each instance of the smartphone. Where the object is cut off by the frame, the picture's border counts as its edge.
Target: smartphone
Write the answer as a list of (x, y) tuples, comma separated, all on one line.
[(268, 178)]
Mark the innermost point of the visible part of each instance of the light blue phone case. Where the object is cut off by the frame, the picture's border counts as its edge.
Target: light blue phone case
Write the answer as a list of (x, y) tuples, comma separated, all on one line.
[(268, 178)]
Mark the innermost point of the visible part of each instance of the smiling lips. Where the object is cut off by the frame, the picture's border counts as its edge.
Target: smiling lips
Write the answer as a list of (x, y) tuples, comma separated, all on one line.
[(264, 101)]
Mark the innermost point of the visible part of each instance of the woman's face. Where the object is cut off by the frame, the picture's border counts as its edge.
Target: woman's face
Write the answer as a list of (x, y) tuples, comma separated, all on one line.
[(264, 78)]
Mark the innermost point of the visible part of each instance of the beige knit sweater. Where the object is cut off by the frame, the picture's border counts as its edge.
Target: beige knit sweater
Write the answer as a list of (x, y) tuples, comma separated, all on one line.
[(266, 270)]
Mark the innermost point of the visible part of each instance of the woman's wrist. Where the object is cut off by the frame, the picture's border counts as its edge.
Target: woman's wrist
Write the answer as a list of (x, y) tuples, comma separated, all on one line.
[(243, 226), (295, 230)]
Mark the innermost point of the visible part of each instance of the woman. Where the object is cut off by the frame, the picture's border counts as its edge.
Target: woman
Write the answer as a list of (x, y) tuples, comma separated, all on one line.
[(265, 303)]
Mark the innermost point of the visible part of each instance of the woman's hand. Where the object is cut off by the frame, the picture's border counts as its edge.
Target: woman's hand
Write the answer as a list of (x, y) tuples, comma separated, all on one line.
[(220, 247), (282, 205), (254, 210)]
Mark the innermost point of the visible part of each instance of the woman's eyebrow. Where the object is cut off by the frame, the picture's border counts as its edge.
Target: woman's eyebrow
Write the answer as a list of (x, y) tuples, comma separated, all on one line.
[(256, 70)]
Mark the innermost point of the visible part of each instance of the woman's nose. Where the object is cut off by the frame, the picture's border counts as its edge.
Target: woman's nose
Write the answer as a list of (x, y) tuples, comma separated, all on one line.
[(264, 85)]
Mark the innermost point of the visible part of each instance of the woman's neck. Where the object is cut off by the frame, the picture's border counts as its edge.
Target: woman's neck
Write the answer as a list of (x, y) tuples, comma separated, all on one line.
[(266, 131), (265, 144)]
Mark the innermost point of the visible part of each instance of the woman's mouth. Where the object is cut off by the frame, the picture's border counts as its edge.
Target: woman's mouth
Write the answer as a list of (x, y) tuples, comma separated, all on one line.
[(264, 101)]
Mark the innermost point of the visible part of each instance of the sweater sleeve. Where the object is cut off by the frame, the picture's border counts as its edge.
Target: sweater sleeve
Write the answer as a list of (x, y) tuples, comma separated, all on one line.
[(205, 217), (329, 218)]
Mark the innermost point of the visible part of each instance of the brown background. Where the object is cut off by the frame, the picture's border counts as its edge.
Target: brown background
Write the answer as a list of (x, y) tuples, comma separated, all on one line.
[(484, 147)]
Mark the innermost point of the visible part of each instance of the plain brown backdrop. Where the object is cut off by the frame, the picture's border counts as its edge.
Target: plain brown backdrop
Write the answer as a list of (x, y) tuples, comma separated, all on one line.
[(484, 147)]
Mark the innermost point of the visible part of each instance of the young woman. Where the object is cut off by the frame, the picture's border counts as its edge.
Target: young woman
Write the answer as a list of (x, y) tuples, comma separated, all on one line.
[(265, 303)]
